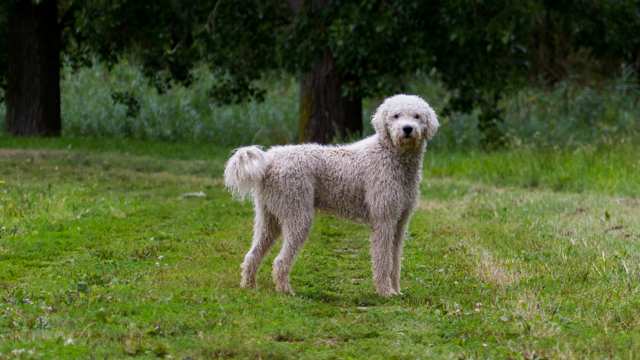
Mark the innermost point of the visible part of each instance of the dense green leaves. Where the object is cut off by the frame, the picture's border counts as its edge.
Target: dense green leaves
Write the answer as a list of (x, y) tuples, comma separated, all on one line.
[(171, 37), (480, 49)]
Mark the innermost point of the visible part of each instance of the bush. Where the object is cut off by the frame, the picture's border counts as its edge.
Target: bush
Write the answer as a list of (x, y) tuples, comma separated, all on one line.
[(571, 114), (121, 103)]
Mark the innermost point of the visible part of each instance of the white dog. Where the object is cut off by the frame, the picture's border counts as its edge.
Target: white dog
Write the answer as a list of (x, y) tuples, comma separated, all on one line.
[(374, 181)]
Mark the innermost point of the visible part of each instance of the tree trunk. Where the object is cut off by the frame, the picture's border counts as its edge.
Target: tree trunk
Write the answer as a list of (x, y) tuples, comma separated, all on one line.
[(324, 113), (33, 76)]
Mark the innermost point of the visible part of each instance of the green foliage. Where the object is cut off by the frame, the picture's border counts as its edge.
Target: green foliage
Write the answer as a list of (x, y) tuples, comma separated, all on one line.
[(102, 257), (121, 103), (482, 51), (608, 28), (375, 43), (566, 116), (236, 39), (571, 114), (480, 48)]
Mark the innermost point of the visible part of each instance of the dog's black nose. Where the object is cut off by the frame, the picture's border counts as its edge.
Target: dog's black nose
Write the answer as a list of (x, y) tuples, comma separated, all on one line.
[(407, 130)]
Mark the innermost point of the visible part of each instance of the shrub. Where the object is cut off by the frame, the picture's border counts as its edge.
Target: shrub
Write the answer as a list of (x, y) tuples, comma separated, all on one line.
[(571, 114), (121, 103)]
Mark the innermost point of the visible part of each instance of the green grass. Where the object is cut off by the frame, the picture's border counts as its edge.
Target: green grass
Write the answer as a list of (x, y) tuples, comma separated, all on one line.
[(521, 254), (603, 169)]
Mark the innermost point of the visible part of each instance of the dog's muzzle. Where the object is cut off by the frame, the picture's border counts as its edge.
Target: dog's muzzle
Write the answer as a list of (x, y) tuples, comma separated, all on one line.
[(407, 131)]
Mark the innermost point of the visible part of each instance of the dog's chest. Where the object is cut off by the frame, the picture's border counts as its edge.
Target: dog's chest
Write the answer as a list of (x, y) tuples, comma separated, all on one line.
[(402, 183)]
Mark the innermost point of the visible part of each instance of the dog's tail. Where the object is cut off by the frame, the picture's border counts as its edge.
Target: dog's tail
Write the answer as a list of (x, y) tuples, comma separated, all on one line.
[(244, 170)]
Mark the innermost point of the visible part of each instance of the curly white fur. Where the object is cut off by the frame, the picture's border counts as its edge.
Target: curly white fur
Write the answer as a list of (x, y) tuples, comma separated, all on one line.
[(374, 181), (244, 170)]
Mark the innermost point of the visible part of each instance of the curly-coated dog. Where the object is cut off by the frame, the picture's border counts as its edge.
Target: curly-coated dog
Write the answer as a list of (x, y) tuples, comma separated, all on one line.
[(374, 180)]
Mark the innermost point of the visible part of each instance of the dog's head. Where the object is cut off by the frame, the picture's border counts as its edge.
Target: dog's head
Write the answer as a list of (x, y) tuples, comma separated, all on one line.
[(405, 121)]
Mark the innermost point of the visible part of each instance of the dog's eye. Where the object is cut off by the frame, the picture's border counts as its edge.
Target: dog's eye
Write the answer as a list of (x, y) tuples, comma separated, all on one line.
[(395, 116), (416, 116)]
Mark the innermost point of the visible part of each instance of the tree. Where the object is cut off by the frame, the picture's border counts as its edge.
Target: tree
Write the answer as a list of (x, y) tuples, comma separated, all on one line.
[(343, 50), (33, 63), (339, 57), (347, 50), (169, 37), (325, 112), (609, 30), (236, 39), (480, 51)]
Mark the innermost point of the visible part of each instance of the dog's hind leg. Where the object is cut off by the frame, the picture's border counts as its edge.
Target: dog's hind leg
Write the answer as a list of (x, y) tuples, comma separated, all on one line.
[(265, 233), (295, 231)]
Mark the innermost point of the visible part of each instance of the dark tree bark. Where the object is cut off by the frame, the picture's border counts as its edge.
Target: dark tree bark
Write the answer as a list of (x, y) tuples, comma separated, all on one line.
[(33, 76), (324, 112)]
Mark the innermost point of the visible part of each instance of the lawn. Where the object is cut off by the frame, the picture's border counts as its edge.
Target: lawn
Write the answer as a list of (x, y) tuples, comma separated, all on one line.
[(515, 254)]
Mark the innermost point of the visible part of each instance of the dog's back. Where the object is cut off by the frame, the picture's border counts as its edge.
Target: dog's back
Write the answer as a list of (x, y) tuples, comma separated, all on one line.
[(333, 174)]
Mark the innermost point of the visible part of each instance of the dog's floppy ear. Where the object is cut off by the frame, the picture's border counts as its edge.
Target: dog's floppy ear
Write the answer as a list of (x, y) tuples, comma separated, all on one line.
[(432, 123), (378, 122)]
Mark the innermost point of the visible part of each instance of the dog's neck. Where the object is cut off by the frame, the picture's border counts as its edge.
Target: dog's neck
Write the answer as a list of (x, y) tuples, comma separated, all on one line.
[(412, 158), (408, 158)]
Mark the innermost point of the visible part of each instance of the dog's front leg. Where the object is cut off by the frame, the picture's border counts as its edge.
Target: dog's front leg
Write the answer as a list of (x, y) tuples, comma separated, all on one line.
[(399, 235), (382, 241)]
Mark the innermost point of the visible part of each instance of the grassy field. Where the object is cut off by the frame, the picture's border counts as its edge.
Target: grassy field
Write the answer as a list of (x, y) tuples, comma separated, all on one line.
[(519, 254)]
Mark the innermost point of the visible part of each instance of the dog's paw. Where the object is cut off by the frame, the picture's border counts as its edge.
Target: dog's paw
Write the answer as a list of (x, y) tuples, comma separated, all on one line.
[(285, 288), (387, 292), (247, 283), (397, 291)]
